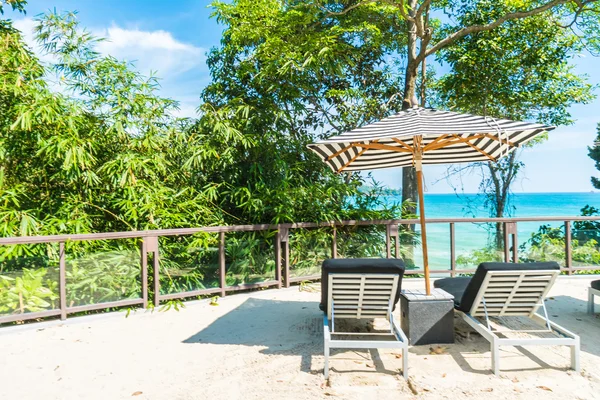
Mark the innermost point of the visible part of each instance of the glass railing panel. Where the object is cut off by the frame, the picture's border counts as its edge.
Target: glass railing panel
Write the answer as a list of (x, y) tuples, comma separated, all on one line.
[(29, 278), (308, 249), (250, 257), (189, 262), (101, 271)]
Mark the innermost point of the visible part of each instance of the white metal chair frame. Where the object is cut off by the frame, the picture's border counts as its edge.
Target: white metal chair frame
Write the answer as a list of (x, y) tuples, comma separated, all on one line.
[(518, 293), (591, 293), (359, 296)]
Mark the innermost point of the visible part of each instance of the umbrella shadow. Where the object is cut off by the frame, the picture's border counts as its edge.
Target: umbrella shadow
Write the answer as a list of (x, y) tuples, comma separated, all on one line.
[(281, 328)]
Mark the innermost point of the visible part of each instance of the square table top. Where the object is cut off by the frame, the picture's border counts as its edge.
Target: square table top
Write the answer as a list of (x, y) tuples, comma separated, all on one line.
[(419, 295)]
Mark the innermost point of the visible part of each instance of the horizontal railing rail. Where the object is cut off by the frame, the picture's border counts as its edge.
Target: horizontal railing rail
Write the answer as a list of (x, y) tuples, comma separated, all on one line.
[(263, 227), (149, 252)]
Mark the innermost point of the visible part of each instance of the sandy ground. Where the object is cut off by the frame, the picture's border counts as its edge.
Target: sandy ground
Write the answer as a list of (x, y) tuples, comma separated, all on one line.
[(268, 345)]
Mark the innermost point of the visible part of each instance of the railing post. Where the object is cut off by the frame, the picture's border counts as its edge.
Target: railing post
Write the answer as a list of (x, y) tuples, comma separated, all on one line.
[(568, 249), (506, 243), (452, 251), (278, 258), (222, 272), (144, 262), (395, 232), (285, 238), (62, 284), (515, 243), (152, 247), (334, 243), (510, 228), (388, 240)]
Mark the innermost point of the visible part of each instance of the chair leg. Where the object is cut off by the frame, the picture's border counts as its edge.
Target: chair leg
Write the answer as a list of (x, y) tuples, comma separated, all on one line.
[(575, 365), (326, 367), (495, 357), (590, 302), (405, 362)]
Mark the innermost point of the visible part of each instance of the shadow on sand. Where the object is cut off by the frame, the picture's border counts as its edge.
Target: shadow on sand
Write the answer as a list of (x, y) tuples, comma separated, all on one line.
[(571, 313), (567, 311), (280, 327)]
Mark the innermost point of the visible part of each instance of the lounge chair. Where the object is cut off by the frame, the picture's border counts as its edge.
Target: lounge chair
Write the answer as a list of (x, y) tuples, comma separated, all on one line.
[(594, 290), (506, 290), (361, 289)]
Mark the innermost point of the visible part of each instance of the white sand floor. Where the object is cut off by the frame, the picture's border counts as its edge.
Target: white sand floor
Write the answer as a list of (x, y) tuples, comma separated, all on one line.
[(268, 345)]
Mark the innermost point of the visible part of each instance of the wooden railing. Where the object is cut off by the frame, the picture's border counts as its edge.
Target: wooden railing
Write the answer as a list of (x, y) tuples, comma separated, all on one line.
[(149, 251)]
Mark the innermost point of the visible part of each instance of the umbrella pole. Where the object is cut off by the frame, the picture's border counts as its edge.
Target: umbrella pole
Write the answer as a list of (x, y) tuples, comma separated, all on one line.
[(418, 168)]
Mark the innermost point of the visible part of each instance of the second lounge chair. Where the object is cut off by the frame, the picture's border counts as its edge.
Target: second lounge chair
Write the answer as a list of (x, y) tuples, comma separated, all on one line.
[(593, 290), (509, 290)]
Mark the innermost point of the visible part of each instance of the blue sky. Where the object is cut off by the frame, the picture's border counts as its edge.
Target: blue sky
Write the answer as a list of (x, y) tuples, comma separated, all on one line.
[(172, 39)]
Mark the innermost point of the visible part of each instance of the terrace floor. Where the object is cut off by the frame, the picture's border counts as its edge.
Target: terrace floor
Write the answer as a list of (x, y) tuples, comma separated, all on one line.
[(268, 345)]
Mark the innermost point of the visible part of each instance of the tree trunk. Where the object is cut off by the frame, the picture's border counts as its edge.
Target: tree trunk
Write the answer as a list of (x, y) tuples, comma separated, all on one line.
[(502, 179), (409, 178), (409, 186), (410, 85)]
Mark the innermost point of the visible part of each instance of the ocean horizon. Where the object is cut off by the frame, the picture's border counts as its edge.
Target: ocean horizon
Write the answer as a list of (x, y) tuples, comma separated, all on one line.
[(475, 236)]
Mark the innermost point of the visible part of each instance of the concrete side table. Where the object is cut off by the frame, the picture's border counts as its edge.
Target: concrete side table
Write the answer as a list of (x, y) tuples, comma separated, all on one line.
[(427, 319)]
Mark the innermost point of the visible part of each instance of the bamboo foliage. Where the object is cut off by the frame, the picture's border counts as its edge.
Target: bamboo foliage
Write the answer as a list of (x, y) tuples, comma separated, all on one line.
[(88, 144)]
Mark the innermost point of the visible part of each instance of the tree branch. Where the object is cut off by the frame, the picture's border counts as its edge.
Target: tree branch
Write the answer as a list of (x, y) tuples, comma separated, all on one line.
[(575, 16), (338, 13), (508, 17), (423, 8), (346, 10), (401, 6)]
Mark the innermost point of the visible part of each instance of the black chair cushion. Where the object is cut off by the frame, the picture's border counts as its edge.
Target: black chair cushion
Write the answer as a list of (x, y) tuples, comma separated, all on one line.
[(474, 284), (596, 285), (455, 286), (359, 266)]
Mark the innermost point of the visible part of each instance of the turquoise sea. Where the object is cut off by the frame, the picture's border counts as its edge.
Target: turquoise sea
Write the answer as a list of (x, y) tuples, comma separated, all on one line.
[(472, 236)]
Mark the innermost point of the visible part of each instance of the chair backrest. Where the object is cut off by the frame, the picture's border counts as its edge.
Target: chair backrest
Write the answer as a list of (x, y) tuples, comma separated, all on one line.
[(361, 295), (358, 266), (481, 274), (513, 293)]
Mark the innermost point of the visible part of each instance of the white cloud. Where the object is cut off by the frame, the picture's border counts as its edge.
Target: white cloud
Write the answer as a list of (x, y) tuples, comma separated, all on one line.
[(26, 25), (151, 50), (180, 66), (156, 51)]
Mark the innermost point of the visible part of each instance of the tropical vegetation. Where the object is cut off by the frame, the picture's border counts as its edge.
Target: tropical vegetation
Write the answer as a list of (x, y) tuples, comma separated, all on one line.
[(88, 143)]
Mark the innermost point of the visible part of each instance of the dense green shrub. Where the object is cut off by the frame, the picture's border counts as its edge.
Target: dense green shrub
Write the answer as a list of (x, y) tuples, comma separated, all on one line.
[(101, 151)]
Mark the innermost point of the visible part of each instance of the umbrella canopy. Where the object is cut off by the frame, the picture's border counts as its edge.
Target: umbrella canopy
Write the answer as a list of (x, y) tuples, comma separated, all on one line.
[(425, 136)]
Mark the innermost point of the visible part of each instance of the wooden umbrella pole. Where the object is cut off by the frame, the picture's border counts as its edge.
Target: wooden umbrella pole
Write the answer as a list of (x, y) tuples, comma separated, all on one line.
[(418, 168)]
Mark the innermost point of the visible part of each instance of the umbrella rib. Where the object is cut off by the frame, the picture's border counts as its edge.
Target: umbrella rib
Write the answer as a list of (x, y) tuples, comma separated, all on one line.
[(360, 153), (481, 151), (496, 138), (379, 146), (352, 159), (334, 155), (400, 142), (436, 140), (459, 140)]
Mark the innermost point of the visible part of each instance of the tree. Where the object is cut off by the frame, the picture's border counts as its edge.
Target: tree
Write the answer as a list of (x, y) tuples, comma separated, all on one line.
[(16, 5), (312, 37), (520, 71), (594, 153), (105, 153), (293, 74), (427, 36)]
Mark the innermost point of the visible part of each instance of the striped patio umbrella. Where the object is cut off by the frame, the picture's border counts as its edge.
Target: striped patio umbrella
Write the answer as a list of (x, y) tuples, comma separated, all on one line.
[(420, 136)]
